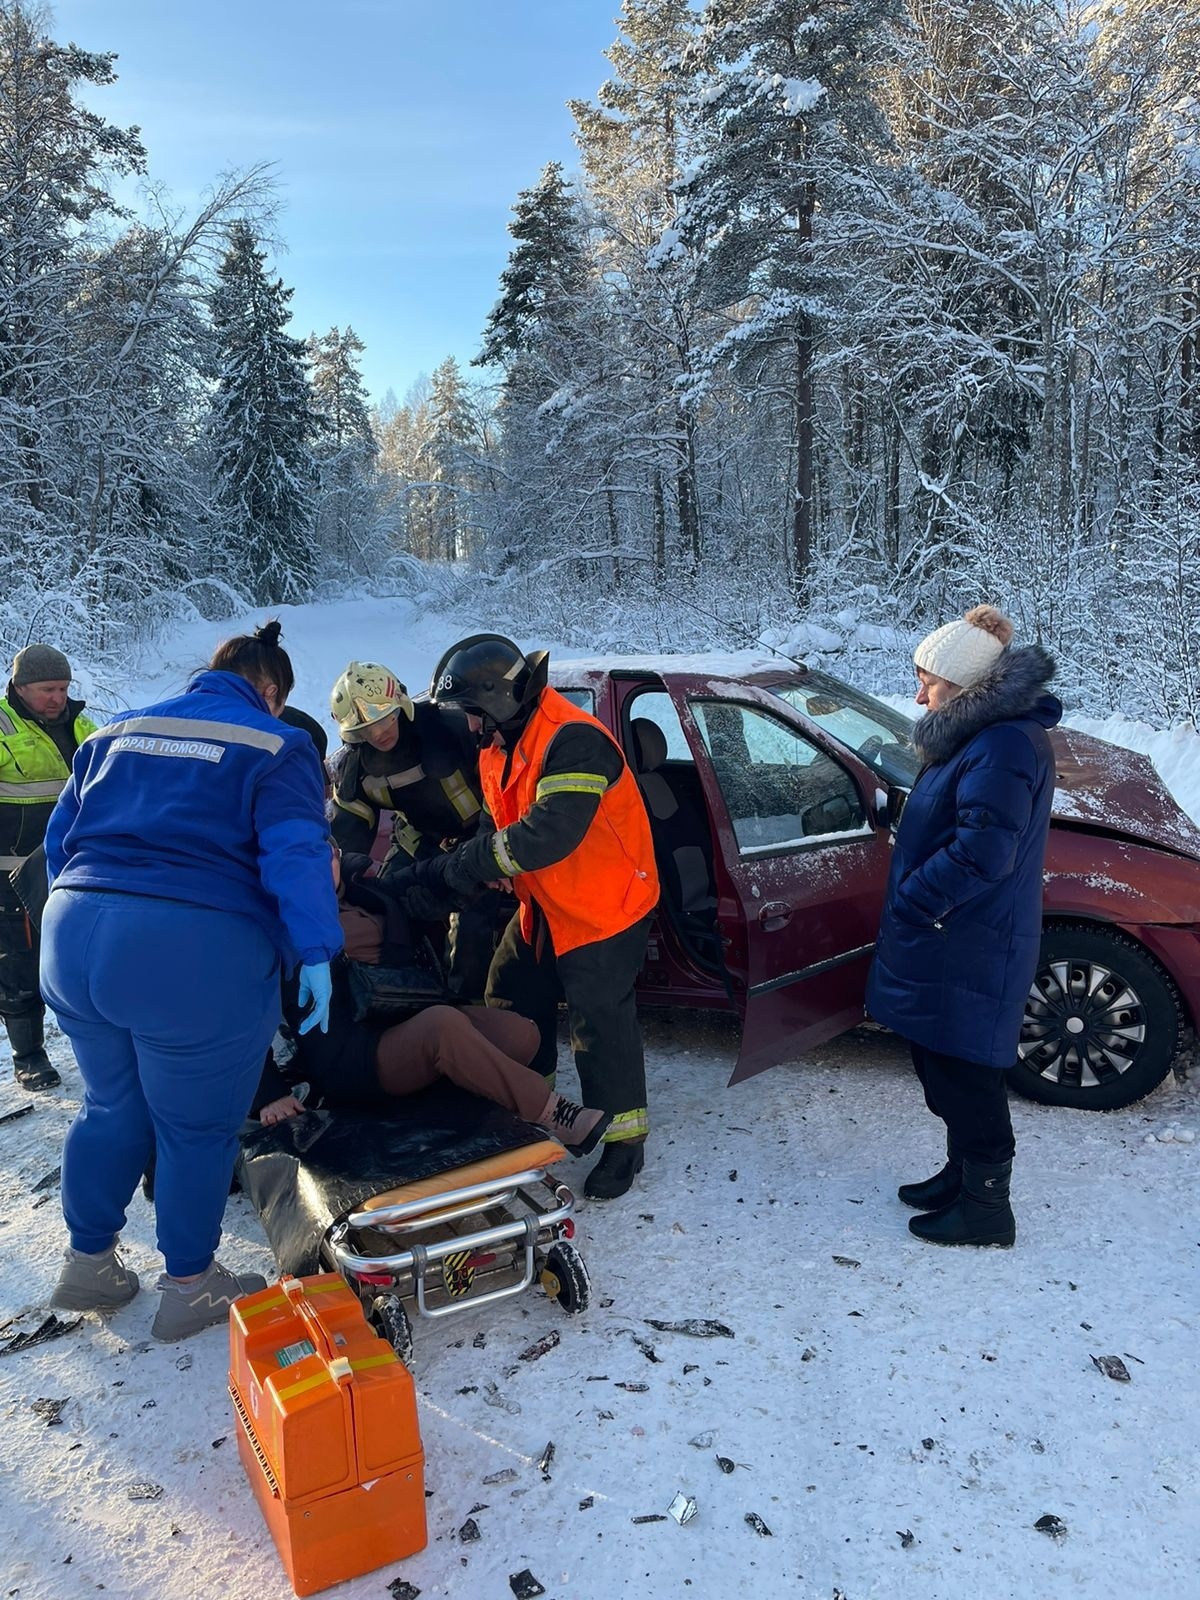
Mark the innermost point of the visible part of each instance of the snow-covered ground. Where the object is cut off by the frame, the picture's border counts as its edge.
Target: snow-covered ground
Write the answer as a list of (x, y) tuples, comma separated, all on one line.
[(899, 1416)]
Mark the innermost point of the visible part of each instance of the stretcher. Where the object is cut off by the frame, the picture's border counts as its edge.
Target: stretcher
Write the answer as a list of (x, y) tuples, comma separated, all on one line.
[(447, 1206)]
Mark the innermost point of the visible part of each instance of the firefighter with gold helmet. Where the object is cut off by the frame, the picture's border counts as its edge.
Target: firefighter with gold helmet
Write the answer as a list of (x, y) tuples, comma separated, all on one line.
[(420, 763)]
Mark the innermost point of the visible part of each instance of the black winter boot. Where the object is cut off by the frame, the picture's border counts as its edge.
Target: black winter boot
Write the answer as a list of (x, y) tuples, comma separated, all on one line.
[(939, 1190), (31, 1064), (981, 1214), (616, 1169)]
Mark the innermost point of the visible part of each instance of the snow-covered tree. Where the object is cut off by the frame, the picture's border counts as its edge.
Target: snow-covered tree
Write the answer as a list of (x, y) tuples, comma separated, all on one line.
[(787, 116), (261, 427)]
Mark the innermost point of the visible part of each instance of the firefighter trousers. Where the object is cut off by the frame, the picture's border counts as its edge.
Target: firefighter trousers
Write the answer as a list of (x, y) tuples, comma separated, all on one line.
[(597, 982)]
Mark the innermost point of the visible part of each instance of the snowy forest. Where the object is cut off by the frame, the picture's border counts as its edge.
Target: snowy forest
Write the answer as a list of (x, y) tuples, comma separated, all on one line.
[(852, 314)]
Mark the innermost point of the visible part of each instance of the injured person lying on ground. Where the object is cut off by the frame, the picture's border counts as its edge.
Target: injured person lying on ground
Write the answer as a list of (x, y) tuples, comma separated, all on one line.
[(389, 1036)]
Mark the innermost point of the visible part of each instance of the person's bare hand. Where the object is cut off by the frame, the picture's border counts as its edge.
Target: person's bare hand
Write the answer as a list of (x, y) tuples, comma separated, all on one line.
[(504, 884), (280, 1110)]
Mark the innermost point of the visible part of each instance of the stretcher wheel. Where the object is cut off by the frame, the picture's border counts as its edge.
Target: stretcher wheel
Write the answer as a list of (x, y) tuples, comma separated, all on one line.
[(391, 1321), (565, 1278)]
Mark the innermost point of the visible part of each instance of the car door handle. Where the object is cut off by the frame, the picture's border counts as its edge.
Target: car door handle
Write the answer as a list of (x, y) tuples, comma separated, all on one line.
[(775, 914)]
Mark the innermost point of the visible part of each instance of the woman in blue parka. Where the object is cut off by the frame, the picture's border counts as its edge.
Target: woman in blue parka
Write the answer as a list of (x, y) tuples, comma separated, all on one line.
[(958, 944), (188, 860)]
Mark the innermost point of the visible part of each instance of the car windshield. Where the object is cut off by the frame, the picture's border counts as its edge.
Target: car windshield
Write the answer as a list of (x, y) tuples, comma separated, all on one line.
[(877, 734)]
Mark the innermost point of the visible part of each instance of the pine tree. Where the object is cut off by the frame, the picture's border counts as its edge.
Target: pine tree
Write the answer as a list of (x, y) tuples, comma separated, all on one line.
[(262, 422), (57, 159), (631, 143), (345, 449), (787, 116), (545, 272)]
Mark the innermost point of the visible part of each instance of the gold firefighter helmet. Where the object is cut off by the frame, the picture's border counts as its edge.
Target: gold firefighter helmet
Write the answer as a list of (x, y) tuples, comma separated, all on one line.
[(364, 695)]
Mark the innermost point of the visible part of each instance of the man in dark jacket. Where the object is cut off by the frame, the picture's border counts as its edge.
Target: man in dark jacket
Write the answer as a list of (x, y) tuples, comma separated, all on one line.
[(419, 762), (958, 945), (40, 731), (566, 826)]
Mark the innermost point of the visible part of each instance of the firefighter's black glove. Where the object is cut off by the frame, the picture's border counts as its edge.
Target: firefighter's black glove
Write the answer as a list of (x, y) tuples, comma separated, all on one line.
[(425, 890), (355, 864)]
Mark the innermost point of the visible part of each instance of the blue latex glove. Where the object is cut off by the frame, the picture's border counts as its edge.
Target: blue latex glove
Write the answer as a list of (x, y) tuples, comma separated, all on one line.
[(316, 986)]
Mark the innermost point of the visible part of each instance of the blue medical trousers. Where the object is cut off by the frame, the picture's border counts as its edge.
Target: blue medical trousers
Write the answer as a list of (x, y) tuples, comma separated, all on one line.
[(169, 1008)]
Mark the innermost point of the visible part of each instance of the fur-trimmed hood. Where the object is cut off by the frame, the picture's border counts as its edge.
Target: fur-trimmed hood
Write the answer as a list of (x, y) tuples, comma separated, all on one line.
[(1014, 688)]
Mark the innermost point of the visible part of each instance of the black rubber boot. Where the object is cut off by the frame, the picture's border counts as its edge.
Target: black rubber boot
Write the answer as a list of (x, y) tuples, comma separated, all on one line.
[(616, 1169), (31, 1064), (939, 1190), (981, 1215)]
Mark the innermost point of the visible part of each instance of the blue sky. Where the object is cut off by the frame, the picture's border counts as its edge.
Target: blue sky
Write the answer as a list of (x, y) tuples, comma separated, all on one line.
[(402, 131)]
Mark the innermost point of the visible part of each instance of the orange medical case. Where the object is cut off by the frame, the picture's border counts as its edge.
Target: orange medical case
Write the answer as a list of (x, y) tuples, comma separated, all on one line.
[(327, 1431)]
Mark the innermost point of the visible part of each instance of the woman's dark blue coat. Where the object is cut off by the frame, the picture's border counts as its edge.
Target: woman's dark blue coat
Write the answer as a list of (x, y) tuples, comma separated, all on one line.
[(958, 944)]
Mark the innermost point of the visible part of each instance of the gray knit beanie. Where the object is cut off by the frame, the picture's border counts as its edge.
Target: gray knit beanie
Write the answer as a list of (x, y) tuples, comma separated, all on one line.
[(40, 663)]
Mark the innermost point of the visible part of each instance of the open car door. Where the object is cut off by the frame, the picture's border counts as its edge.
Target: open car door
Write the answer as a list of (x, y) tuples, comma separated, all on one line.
[(800, 868)]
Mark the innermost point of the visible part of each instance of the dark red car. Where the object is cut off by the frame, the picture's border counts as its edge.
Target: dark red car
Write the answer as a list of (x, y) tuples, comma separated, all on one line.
[(772, 791)]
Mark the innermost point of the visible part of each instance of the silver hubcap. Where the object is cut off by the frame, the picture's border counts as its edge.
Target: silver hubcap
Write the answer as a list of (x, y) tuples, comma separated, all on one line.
[(1084, 1024)]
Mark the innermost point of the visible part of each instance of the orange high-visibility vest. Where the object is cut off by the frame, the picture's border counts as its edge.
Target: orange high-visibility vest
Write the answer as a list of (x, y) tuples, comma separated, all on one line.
[(609, 880)]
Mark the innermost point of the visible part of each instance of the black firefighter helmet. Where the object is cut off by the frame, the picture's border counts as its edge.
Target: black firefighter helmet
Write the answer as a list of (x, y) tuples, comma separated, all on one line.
[(491, 676)]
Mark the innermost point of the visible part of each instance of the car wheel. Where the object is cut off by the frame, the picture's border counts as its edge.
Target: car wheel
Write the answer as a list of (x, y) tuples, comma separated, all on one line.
[(1102, 1022), (391, 1322), (565, 1278)]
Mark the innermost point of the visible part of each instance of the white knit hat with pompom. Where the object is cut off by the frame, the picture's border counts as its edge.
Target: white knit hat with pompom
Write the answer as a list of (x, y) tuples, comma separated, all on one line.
[(965, 651)]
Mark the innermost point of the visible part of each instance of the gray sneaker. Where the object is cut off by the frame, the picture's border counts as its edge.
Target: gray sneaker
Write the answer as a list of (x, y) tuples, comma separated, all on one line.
[(94, 1283), (188, 1308)]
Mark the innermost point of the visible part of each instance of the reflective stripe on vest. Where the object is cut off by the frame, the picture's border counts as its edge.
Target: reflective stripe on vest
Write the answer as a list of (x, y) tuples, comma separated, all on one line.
[(609, 881), (33, 771)]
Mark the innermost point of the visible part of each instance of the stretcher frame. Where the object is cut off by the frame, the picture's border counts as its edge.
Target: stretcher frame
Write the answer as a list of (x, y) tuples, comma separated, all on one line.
[(516, 1226)]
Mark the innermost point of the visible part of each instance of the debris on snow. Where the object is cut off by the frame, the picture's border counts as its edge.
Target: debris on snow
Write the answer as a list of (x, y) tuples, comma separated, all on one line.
[(401, 1589), (846, 1261), (907, 1538), (21, 1111), (50, 1411), (48, 1182), (524, 1585), (469, 1532), (145, 1491), (655, 1516), (725, 1464), (1054, 1526), (703, 1441), (695, 1327), (633, 1388), (683, 1508), (493, 1397), (647, 1349), (547, 1459), (505, 1475), (51, 1328), (753, 1520), (540, 1347), (1112, 1367)]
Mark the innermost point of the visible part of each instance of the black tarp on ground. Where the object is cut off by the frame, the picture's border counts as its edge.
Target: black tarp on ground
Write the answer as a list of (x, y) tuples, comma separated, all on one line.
[(304, 1174)]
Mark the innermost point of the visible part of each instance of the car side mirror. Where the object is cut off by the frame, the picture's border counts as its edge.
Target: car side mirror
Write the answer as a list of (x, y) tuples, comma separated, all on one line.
[(889, 803)]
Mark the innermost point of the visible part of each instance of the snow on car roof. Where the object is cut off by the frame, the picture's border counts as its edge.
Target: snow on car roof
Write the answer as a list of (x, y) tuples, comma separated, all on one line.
[(722, 664)]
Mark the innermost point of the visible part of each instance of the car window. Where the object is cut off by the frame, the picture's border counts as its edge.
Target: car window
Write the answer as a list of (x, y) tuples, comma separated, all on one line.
[(657, 707), (779, 789), (877, 734), (585, 699)]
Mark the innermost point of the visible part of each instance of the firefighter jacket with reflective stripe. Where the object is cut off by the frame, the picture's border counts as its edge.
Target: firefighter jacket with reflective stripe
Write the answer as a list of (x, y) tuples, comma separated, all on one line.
[(209, 799), (32, 774), (427, 780), (609, 881)]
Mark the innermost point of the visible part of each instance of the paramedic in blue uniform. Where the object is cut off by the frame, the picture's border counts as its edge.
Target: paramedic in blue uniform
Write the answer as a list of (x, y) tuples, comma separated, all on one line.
[(188, 859)]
